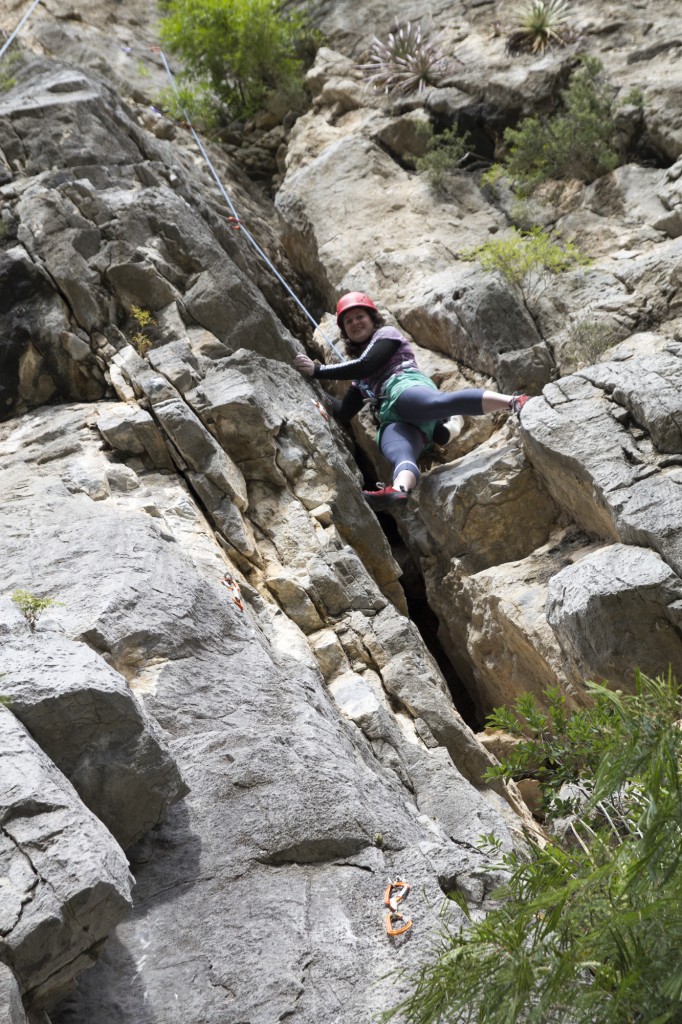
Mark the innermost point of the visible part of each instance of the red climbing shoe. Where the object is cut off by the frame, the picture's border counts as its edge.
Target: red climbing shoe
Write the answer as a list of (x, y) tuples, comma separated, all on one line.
[(517, 402), (383, 499)]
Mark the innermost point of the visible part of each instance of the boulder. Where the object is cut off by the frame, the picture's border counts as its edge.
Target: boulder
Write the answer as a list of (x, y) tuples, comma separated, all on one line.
[(616, 610), (493, 624), (612, 480), (487, 507), (67, 883), (84, 716)]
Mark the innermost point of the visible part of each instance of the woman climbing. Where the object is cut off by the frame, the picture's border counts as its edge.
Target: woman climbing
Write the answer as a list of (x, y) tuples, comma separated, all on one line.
[(383, 370)]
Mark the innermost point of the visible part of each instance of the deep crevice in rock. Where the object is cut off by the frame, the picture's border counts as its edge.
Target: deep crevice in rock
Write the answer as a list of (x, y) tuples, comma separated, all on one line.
[(426, 621)]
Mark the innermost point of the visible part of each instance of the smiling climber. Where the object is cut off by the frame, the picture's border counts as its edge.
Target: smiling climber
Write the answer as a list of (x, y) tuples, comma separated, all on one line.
[(409, 406)]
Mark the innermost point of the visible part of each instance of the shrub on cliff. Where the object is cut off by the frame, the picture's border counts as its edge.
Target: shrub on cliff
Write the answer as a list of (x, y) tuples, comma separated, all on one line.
[(578, 142), (244, 49), (527, 259), (590, 930)]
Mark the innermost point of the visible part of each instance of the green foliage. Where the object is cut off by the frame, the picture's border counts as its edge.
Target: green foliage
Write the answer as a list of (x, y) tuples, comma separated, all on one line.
[(527, 260), (145, 323), (539, 24), (576, 143), (198, 102), (555, 747), (635, 98), (590, 933), (11, 61), (32, 607), (406, 61), (444, 152), (490, 179), (243, 50)]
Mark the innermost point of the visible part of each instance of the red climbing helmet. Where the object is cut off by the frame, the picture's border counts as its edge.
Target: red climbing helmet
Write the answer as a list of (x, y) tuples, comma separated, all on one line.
[(350, 300)]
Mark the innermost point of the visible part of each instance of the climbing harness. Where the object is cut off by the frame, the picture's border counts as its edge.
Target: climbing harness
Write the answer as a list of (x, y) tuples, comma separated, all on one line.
[(19, 27), (235, 221), (397, 922), (234, 588)]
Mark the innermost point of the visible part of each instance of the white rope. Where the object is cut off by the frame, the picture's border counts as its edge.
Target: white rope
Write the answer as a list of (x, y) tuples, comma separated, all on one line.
[(19, 27), (238, 222)]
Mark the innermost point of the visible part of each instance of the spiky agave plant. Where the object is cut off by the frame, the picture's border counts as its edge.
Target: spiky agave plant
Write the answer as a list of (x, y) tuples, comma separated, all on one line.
[(539, 23), (407, 61)]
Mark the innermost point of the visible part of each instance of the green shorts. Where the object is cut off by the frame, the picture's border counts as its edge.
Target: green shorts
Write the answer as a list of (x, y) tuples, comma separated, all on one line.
[(392, 391)]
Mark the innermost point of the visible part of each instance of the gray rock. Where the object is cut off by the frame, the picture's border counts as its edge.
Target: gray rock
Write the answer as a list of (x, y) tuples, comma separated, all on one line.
[(613, 483), (485, 508), (84, 716), (11, 1009), (67, 880), (130, 429), (617, 610), (289, 811), (650, 389)]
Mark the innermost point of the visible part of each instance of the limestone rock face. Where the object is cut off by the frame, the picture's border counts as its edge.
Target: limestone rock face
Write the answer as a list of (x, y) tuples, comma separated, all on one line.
[(614, 480), (616, 610), (246, 716), (83, 715), (10, 998), (66, 879), (228, 613)]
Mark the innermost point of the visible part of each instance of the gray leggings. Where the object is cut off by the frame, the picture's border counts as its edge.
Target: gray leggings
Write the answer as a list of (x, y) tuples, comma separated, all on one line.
[(402, 443)]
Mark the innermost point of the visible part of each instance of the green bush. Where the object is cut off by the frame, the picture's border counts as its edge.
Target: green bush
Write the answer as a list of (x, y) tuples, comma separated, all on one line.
[(444, 152), (243, 49), (144, 326), (579, 142), (32, 607), (11, 61), (527, 260), (591, 932), (555, 747), (198, 102)]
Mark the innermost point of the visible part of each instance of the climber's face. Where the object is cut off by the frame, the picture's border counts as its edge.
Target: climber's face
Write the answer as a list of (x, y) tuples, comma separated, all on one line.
[(358, 325)]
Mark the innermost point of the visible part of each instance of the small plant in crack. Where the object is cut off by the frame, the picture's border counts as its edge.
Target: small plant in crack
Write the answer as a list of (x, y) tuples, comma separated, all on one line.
[(32, 607), (12, 60), (406, 61), (145, 322), (527, 260), (588, 339), (444, 153)]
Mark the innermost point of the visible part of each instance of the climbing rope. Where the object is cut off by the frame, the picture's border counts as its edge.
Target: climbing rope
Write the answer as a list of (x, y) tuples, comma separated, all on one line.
[(397, 922), (19, 27), (234, 219)]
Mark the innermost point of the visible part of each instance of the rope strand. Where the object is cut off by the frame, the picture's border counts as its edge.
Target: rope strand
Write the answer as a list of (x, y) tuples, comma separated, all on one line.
[(238, 222), (19, 27)]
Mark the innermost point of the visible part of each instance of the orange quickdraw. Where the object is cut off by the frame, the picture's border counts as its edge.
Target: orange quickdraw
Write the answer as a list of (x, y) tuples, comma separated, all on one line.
[(234, 588), (320, 408), (393, 916), (235, 223)]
